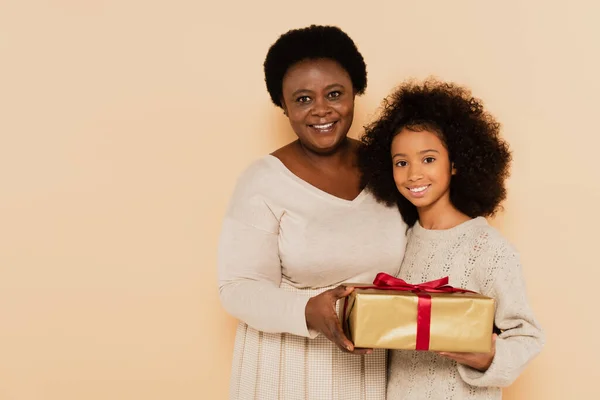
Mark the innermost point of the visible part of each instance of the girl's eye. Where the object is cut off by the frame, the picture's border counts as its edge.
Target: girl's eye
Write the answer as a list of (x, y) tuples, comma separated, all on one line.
[(335, 94), (429, 160), (303, 99), (401, 163)]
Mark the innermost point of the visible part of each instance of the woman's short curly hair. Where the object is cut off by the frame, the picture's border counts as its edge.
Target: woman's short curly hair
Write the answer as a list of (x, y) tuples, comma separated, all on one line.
[(313, 42), (470, 134)]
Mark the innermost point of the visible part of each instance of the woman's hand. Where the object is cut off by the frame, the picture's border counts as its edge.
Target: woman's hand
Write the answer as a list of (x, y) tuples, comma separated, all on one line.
[(478, 361), (321, 317)]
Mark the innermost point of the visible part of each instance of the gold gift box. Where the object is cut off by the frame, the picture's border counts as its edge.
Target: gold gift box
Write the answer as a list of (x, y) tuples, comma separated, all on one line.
[(460, 322)]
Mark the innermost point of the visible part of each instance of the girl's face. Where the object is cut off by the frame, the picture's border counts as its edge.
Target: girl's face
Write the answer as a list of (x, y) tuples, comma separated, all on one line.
[(422, 169), (318, 98)]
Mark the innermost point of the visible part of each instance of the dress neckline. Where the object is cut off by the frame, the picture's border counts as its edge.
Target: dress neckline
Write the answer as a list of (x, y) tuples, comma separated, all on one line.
[(271, 159)]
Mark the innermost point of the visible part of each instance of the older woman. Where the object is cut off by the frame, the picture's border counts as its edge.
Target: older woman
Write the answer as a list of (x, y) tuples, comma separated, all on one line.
[(299, 225)]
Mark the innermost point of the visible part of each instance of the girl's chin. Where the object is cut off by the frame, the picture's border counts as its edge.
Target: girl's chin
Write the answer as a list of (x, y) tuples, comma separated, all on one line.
[(418, 202)]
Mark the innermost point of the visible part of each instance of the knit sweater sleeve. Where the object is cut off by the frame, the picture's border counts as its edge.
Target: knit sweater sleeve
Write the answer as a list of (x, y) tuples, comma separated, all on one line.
[(521, 338), (249, 267)]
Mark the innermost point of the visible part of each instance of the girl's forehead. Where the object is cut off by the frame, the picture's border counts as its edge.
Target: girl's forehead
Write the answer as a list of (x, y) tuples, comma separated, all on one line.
[(417, 138)]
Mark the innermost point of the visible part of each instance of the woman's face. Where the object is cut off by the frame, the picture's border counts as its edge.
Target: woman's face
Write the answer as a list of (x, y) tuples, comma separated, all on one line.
[(318, 99)]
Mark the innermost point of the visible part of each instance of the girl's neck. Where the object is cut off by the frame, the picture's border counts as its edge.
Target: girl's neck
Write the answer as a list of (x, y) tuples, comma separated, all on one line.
[(441, 215)]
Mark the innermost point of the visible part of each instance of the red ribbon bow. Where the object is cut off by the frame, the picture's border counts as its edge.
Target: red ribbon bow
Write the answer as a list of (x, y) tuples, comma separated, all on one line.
[(387, 282)]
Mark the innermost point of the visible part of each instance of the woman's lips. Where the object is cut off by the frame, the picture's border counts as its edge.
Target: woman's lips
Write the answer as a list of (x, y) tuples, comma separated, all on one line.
[(324, 128)]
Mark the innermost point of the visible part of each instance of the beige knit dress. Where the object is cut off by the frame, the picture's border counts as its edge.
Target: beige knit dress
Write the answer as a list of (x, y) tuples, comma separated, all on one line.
[(283, 241)]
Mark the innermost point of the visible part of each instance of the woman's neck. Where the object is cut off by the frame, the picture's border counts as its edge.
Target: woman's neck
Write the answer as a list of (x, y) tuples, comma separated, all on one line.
[(343, 156), (441, 215)]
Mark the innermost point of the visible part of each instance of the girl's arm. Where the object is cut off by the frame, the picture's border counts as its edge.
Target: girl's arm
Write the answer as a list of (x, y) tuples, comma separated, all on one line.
[(521, 338)]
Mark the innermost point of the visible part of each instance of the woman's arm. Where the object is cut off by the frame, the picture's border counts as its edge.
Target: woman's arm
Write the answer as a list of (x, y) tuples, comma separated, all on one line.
[(250, 270)]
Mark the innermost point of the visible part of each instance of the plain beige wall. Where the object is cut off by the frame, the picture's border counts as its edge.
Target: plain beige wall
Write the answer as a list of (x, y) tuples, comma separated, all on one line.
[(124, 124)]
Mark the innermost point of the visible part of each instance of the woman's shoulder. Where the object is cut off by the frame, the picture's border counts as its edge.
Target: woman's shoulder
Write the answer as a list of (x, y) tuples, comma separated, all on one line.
[(259, 174), (253, 194)]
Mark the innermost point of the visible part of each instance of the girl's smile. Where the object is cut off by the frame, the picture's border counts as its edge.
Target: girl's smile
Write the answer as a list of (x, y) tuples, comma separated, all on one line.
[(418, 191), (422, 169)]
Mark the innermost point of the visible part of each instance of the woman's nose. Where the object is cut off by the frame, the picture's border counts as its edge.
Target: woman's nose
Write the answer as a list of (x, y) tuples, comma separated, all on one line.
[(321, 108)]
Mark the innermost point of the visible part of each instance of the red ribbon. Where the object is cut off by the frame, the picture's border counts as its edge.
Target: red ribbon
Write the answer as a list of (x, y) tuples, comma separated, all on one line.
[(388, 282), (384, 281)]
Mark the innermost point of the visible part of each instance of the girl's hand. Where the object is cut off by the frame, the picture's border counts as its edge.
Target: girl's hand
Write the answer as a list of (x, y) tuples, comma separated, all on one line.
[(321, 317), (478, 361)]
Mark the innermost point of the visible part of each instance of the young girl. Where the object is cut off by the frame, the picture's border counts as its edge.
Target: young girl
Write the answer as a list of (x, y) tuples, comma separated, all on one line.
[(437, 154)]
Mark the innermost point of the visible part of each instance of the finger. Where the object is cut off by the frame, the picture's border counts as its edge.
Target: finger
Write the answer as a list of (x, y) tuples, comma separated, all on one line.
[(362, 351), (445, 354), (458, 357), (335, 339), (342, 348), (453, 354), (339, 338), (341, 291)]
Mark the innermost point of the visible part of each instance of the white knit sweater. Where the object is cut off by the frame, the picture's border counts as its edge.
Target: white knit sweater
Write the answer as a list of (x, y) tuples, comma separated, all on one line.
[(476, 257)]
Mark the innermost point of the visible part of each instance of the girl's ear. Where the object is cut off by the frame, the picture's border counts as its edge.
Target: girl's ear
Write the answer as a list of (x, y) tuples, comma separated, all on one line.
[(453, 170)]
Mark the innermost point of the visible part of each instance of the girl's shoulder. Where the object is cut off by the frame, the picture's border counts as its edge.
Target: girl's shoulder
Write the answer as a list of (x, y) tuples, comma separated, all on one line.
[(496, 257), (490, 240), (476, 233)]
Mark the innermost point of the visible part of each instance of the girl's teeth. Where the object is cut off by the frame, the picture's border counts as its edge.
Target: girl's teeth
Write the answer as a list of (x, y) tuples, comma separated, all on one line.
[(419, 189), (324, 126)]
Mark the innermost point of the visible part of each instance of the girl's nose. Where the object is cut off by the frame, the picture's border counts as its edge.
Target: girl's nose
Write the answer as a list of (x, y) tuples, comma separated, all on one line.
[(414, 174)]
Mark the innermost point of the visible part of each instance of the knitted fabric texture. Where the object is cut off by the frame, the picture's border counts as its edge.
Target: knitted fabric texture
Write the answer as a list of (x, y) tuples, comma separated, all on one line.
[(476, 257)]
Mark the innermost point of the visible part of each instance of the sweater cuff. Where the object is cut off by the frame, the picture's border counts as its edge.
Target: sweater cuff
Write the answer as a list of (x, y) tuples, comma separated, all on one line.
[(494, 376), (299, 326)]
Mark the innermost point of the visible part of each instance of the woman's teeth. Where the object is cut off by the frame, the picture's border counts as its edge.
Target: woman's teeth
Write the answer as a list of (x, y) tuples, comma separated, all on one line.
[(323, 127)]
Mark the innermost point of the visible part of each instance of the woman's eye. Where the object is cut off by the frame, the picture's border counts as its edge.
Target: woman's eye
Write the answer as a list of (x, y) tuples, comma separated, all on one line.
[(303, 99), (335, 94), (401, 163), (429, 160)]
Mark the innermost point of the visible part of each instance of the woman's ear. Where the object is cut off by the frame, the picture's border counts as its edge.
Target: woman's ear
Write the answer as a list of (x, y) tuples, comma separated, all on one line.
[(453, 170), (283, 106)]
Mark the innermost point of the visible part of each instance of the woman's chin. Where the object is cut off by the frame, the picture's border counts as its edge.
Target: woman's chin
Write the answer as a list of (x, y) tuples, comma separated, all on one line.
[(325, 145)]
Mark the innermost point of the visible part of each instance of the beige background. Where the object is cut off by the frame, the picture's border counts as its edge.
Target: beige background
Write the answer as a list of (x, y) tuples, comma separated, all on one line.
[(124, 124)]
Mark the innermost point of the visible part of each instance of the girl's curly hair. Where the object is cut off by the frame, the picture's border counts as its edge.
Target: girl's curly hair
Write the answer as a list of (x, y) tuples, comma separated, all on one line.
[(470, 134)]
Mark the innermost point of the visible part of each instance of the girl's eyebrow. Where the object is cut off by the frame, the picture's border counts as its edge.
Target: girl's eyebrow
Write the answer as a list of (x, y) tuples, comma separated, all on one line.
[(421, 152)]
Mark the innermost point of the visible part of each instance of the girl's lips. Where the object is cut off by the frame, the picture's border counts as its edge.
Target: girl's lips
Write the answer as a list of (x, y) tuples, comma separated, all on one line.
[(418, 191)]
